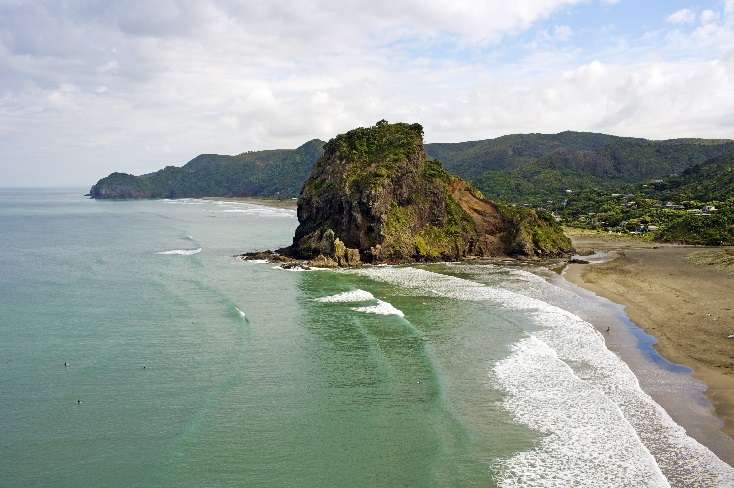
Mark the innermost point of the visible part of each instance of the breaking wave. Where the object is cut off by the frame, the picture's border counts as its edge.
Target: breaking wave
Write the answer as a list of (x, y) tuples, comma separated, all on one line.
[(237, 207), (181, 252), (598, 427), (382, 308), (348, 297)]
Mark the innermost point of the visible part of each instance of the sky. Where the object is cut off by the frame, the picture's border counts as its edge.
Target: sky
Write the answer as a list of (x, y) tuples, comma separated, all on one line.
[(88, 87)]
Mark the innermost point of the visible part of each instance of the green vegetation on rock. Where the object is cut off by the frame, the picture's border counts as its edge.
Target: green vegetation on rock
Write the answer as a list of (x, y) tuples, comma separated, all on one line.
[(532, 229), (377, 192)]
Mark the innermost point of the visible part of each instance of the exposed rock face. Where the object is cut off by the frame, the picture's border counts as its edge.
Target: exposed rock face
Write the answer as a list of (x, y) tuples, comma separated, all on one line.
[(374, 196)]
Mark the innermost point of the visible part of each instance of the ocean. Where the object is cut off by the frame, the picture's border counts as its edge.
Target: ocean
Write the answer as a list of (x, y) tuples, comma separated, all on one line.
[(136, 351)]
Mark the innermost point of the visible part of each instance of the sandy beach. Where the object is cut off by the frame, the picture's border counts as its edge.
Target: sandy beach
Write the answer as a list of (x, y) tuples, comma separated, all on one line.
[(289, 203), (682, 295)]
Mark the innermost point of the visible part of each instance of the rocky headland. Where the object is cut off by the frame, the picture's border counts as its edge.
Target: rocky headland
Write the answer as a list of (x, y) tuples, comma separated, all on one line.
[(375, 197)]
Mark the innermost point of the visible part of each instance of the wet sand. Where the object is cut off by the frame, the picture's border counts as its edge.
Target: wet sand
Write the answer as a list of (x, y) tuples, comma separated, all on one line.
[(682, 295)]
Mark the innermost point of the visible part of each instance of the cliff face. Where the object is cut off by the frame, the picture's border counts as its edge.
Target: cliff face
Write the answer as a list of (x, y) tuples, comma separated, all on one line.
[(375, 195)]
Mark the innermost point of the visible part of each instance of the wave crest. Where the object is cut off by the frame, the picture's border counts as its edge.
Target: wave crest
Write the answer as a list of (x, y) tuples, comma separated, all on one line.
[(348, 297), (599, 425), (181, 252)]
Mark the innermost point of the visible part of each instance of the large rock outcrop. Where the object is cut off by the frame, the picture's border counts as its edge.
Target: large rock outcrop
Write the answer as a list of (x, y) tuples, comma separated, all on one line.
[(375, 197)]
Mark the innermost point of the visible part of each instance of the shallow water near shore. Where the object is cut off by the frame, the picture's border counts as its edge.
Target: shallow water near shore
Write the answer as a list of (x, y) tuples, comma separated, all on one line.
[(195, 369)]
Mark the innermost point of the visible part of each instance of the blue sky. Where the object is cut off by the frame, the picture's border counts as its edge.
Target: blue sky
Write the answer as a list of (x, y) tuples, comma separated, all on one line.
[(92, 86)]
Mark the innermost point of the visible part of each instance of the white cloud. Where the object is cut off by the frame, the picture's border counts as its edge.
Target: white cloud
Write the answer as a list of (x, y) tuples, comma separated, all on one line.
[(683, 16), (709, 17), (101, 86)]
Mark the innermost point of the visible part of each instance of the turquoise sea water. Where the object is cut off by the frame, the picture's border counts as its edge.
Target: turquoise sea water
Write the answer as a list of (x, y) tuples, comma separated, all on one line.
[(188, 368)]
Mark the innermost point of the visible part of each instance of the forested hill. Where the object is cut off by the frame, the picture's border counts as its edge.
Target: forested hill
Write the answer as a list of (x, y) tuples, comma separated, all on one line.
[(694, 207), (278, 173), (711, 180), (524, 168), (534, 168)]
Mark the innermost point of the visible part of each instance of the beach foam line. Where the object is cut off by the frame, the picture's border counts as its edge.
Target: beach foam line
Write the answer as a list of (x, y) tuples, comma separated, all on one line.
[(297, 269), (234, 207), (382, 308), (181, 252), (248, 208), (351, 296), (185, 201), (585, 435), (262, 211), (619, 437)]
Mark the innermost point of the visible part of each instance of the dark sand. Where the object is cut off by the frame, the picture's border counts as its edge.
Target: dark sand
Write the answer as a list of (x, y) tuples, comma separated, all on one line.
[(682, 295)]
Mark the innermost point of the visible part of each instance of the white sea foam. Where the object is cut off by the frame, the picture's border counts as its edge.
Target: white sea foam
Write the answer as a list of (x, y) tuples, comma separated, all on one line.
[(599, 427), (585, 435), (382, 308), (185, 201), (235, 207), (181, 252), (262, 211), (256, 261), (254, 209), (351, 296), (299, 269)]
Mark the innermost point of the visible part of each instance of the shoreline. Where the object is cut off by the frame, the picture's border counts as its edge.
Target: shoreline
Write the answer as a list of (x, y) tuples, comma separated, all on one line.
[(288, 203), (666, 291), (610, 255)]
